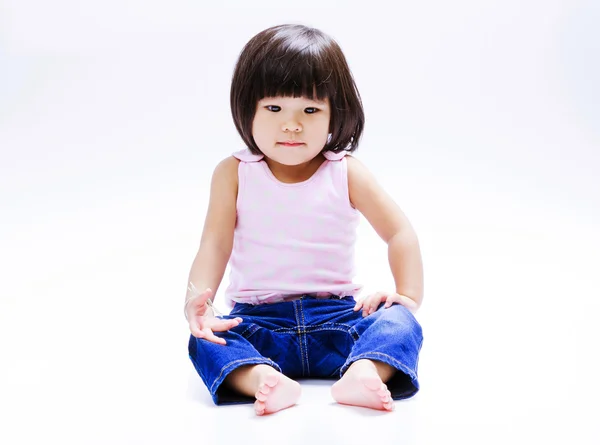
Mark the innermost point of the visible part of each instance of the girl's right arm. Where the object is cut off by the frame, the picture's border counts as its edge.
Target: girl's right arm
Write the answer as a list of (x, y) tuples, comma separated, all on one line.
[(217, 236)]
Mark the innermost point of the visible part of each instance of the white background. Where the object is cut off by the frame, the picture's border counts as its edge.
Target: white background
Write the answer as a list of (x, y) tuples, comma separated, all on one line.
[(482, 122)]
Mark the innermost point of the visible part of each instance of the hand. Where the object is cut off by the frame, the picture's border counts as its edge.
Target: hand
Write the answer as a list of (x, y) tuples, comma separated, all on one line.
[(202, 321), (372, 302)]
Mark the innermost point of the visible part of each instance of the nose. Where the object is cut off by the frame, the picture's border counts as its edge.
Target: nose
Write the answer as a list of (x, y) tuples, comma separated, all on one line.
[(292, 125)]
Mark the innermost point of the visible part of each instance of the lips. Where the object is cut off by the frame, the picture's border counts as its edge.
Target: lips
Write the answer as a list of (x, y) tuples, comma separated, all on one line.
[(290, 143)]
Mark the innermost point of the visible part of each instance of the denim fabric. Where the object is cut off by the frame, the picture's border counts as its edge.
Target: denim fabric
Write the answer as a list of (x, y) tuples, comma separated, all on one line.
[(311, 337)]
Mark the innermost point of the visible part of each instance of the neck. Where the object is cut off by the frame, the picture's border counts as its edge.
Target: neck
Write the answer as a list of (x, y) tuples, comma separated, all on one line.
[(294, 173)]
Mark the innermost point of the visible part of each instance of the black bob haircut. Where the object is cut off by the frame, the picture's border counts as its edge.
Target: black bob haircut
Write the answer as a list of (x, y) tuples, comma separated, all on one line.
[(297, 61)]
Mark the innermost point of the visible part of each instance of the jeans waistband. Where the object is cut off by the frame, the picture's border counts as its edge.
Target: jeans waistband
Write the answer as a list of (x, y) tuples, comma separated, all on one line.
[(318, 296)]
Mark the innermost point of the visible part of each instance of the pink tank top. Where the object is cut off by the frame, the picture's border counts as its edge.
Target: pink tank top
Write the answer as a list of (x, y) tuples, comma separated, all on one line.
[(292, 239)]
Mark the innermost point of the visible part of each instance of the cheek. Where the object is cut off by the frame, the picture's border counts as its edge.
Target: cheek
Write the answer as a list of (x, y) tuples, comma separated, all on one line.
[(325, 125), (258, 129), (324, 130)]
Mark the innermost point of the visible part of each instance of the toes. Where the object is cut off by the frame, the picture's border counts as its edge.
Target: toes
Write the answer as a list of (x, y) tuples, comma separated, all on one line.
[(265, 389), (272, 380), (383, 390), (262, 392), (386, 399), (259, 408)]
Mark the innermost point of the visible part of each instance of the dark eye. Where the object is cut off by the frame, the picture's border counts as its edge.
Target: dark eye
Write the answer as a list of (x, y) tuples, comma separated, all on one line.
[(311, 108), (268, 107)]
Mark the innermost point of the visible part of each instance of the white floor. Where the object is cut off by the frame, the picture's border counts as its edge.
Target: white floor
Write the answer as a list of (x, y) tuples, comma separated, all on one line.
[(95, 351), (112, 117)]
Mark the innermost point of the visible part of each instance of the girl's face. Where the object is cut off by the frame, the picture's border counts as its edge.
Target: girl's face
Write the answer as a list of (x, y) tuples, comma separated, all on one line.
[(279, 120)]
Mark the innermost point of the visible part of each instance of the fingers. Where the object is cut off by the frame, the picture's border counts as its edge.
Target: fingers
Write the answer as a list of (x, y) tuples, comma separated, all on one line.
[(370, 304), (212, 325), (402, 300), (193, 292), (210, 336), (195, 329), (203, 297), (205, 333), (394, 298), (196, 304), (363, 304), (367, 306), (373, 303), (366, 303), (219, 325)]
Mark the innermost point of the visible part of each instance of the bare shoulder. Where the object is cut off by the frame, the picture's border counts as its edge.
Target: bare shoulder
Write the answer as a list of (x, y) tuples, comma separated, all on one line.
[(225, 176), (227, 169), (359, 176), (353, 163), (221, 215), (369, 198)]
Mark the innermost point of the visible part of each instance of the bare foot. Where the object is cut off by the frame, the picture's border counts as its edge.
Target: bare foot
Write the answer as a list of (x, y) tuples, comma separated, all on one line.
[(275, 392), (362, 386)]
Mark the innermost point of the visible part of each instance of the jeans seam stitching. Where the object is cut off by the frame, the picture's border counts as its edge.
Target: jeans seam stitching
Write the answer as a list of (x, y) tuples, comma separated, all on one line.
[(324, 326), (298, 331), (313, 328), (305, 338), (253, 328), (369, 355)]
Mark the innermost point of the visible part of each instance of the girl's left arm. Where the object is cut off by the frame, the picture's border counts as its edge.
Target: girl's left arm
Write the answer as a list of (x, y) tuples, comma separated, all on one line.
[(390, 223)]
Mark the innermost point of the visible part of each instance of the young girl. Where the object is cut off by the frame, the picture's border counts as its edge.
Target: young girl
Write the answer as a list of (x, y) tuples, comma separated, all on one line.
[(283, 213)]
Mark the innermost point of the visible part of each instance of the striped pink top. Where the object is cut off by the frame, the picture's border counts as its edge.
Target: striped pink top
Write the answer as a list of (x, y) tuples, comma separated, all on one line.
[(292, 239)]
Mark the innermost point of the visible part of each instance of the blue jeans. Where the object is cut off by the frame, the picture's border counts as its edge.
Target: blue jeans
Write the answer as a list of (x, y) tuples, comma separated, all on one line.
[(311, 337)]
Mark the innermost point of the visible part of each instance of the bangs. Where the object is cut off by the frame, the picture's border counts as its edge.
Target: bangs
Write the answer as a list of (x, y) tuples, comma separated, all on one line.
[(295, 74)]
